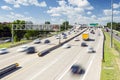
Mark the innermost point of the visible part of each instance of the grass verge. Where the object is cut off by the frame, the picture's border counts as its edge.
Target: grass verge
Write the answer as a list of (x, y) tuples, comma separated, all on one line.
[(9, 44), (110, 69)]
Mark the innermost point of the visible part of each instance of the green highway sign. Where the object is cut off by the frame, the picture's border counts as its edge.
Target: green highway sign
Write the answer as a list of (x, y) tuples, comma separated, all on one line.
[(94, 24)]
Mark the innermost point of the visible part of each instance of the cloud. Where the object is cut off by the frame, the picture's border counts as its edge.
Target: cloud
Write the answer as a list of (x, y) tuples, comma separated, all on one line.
[(81, 3), (55, 15), (89, 12), (108, 12), (18, 3), (115, 6), (6, 8)]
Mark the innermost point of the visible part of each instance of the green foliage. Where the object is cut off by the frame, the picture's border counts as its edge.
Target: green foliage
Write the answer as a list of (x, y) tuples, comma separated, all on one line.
[(65, 25), (19, 34), (5, 30), (115, 26), (47, 22)]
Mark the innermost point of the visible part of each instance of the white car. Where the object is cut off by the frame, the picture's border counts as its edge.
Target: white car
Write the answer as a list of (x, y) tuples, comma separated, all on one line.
[(90, 49), (22, 48), (76, 39), (66, 46), (3, 50), (36, 41)]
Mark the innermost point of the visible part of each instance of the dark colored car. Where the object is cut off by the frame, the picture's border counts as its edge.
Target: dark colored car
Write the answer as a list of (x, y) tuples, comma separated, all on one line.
[(76, 69), (47, 41), (83, 44), (31, 50)]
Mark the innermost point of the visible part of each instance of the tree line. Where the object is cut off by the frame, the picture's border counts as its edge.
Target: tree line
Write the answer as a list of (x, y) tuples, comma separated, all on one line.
[(115, 25), (6, 30)]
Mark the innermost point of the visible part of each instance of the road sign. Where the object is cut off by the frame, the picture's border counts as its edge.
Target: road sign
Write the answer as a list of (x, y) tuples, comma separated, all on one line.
[(94, 24)]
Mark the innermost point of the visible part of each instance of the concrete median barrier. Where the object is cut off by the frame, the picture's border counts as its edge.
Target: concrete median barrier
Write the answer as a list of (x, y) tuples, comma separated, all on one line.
[(8, 68), (44, 52)]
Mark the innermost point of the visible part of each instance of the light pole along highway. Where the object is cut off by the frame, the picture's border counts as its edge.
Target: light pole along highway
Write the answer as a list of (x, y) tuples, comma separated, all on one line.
[(111, 34)]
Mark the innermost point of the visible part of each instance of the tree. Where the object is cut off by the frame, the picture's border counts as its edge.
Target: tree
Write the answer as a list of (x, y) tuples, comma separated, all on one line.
[(19, 34), (65, 25), (47, 22)]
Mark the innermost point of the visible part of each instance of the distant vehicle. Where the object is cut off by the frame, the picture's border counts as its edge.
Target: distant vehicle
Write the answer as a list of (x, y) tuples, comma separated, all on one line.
[(31, 50), (3, 50), (85, 36), (76, 39), (76, 69), (83, 44), (22, 48), (64, 37), (57, 36), (90, 49), (37, 41), (92, 31), (66, 46), (7, 40), (47, 41), (116, 34)]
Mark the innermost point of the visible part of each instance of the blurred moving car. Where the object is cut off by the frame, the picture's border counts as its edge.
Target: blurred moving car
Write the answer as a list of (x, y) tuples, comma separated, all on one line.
[(31, 49), (47, 41), (36, 41), (22, 48), (90, 49), (66, 46), (3, 50), (76, 39), (83, 44), (64, 37), (7, 40), (76, 69)]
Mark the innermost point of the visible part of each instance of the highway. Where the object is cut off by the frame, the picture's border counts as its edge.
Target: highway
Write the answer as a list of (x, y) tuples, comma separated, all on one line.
[(56, 65)]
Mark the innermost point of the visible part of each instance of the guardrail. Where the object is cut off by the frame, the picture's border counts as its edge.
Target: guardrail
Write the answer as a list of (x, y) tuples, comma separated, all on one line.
[(44, 52)]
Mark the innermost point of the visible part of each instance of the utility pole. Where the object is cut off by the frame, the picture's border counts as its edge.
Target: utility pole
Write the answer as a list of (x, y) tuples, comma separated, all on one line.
[(111, 34), (12, 35)]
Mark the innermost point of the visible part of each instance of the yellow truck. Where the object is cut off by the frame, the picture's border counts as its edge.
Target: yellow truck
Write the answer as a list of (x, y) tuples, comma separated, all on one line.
[(85, 36)]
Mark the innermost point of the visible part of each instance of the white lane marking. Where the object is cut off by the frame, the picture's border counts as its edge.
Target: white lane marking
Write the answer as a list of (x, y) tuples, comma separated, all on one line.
[(89, 64)]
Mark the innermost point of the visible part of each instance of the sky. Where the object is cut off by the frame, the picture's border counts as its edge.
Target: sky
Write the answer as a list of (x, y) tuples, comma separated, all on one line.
[(58, 11)]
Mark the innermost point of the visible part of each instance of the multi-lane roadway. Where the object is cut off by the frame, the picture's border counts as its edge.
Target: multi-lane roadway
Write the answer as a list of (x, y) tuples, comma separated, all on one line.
[(56, 65)]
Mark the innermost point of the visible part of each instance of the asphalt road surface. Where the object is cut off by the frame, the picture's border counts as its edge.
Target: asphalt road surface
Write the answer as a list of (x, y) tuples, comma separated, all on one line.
[(56, 65)]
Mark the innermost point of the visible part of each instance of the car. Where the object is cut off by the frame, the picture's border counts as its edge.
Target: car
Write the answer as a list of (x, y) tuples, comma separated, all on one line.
[(76, 69), (90, 49), (8, 40), (76, 39), (64, 37), (47, 41), (22, 48), (31, 49), (83, 44), (65, 46), (3, 50), (36, 41), (57, 37)]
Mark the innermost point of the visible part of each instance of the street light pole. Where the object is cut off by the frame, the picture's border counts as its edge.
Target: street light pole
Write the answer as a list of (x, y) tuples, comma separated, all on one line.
[(111, 35)]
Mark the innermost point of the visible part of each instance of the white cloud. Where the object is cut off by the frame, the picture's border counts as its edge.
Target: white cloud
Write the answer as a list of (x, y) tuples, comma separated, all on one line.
[(6, 8), (108, 12), (55, 15), (115, 6), (89, 12), (81, 3), (93, 16), (17, 3)]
